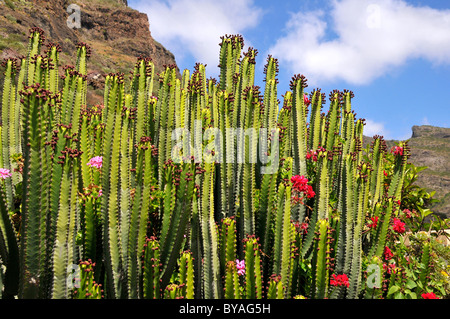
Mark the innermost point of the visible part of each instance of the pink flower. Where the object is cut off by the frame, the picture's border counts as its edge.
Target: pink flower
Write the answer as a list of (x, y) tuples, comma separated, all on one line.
[(399, 226), (100, 193), (407, 213), (240, 265), (95, 162), (429, 295), (339, 280), (5, 173)]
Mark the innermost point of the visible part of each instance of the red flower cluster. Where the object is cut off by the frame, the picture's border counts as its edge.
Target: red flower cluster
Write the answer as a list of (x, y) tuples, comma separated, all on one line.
[(387, 253), (429, 295), (300, 184), (312, 154), (397, 150), (398, 226), (339, 280), (306, 99), (374, 222)]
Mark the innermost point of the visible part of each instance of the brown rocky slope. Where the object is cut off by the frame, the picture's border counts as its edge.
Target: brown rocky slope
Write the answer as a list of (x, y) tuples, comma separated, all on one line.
[(116, 34)]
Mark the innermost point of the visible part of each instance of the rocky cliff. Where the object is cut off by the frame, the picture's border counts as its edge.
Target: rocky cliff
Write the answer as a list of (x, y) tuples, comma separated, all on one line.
[(430, 147), (116, 34)]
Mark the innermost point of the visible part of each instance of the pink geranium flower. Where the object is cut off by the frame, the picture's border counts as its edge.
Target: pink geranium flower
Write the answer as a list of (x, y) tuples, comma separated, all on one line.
[(5, 173), (95, 162), (240, 265)]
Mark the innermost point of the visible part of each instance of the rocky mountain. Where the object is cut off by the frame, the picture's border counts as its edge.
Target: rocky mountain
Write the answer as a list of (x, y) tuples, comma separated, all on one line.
[(430, 147), (116, 34)]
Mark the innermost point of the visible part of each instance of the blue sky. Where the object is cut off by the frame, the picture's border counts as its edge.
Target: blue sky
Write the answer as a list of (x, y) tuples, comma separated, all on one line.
[(393, 54)]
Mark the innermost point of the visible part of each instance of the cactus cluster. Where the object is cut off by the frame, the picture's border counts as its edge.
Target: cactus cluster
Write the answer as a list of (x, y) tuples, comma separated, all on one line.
[(187, 187)]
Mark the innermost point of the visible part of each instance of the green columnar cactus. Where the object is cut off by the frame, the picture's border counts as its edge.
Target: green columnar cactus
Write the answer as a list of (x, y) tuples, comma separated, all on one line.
[(151, 269), (385, 210), (321, 206), (64, 246), (230, 52), (9, 123), (332, 119), (361, 205), (376, 180), (320, 260), (284, 125), (253, 268), (253, 103), (275, 288), (317, 101), (51, 76), (173, 291), (173, 227), (227, 160), (299, 134), (90, 223), (9, 251), (232, 289), (187, 275), (425, 263), (211, 267), (282, 231), (295, 279), (299, 111), (111, 184), (34, 46), (135, 223), (227, 241), (88, 288), (33, 215)]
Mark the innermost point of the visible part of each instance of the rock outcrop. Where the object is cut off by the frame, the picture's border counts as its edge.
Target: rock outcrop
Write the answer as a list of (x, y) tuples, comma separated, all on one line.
[(116, 34)]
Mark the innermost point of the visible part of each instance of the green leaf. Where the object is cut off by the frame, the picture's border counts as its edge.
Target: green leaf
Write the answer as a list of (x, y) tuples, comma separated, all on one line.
[(393, 289), (411, 284)]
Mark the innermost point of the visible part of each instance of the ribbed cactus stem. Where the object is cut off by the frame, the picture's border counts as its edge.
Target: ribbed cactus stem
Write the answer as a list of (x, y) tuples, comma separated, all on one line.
[(253, 270), (232, 289), (320, 260), (88, 288), (151, 268), (187, 275), (275, 288)]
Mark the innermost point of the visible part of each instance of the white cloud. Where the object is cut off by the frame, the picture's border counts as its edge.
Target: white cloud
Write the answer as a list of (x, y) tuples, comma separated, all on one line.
[(371, 38), (194, 28), (375, 128)]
